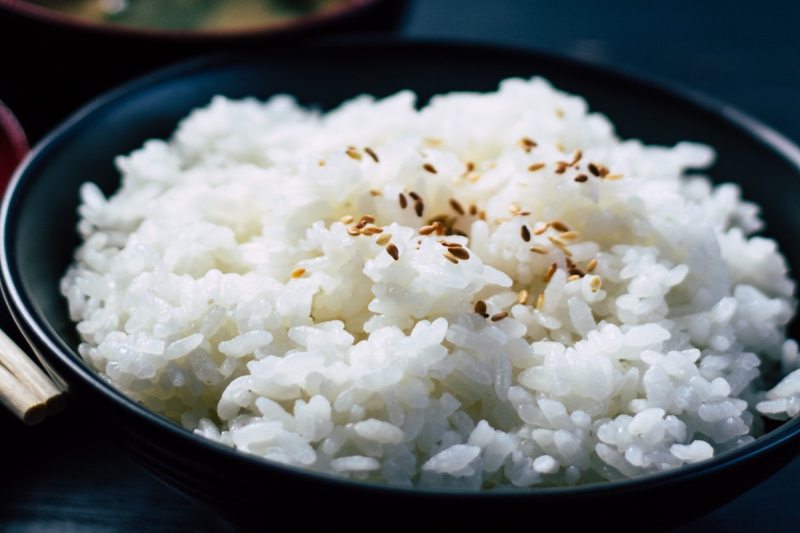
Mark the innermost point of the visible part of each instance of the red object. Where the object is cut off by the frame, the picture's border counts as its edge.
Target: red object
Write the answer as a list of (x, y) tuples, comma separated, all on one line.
[(13, 145)]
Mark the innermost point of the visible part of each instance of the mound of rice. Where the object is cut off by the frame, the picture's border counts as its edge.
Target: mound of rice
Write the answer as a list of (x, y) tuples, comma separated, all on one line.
[(491, 291)]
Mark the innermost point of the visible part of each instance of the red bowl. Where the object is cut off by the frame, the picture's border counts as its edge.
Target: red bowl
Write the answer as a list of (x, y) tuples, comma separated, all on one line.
[(13, 145)]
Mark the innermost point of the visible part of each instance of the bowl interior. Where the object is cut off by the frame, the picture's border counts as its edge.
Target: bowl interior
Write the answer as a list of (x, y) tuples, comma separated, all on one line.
[(40, 214)]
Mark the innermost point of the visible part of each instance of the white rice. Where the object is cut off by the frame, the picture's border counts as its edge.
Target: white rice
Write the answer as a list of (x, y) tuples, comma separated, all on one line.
[(219, 287)]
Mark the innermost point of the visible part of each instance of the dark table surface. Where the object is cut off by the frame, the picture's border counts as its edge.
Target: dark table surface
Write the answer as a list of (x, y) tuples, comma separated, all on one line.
[(65, 475)]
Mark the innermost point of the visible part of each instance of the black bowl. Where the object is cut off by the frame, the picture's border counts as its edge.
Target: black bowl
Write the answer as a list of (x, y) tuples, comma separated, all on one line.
[(39, 214)]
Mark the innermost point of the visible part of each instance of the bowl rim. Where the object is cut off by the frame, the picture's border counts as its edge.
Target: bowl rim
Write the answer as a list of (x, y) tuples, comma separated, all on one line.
[(31, 323), (349, 9)]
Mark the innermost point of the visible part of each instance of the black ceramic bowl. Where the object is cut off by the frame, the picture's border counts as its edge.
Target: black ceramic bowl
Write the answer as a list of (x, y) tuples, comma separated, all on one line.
[(38, 237)]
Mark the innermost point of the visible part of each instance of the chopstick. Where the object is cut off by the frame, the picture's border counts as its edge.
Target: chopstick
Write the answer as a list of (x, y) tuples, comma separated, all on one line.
[(24, 387)]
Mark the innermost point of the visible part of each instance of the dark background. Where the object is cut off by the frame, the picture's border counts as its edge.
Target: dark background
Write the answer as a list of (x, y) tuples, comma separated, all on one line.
[(66, 476)]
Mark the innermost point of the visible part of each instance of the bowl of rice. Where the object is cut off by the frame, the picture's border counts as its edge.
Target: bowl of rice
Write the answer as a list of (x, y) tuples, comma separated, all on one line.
[(525, 284)]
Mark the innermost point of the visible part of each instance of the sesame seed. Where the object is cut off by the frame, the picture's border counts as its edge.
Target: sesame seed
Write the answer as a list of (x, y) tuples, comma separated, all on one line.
[(296, 273), (429, 168), (354, 231), (577, 157), (522, 297), (593, 169), (596, 283), (375, 192), (499, 316), (550, 271), (581, 178), (525, 233), (419, 207), (541, 229), (460, 253), (473, 209), (513, 208), (367, 218), (470, 166), (427, 230), (559, 226), (561, 167), (613, 177), (456, 206), (352, 153), (527, 144), (383, 239), (569, 235), (482, 214), (371, 230), (321, 162), (536, 166), (450, 257), (402, 199), (347, 219), (521, 213), (539, 249), (393, 251), (370, 152), (591, 265), (574, 271), (413, 195), (540, 301), (480, 307), (573, 277)]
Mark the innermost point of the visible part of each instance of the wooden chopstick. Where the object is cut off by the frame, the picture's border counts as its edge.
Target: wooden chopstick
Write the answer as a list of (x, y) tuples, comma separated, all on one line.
[(20, 400), (24, 387)]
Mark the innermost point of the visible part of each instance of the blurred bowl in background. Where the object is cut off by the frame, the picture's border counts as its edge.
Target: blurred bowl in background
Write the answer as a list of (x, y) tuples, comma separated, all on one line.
[(61, 60), (13, 145)]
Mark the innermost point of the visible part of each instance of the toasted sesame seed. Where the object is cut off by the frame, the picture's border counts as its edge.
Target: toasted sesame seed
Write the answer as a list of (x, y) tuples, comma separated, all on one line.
[(559, 226), (383, 239), (297, 272), (413, 195), (527, 144), (480, 307), (433, 141), (457, 207), (354, 231), (513, 208), (429, 168), (593, 169), (353, 154), (561, 167), (596, 283), (522, 297), (402, 199), (574, 271), (591, 265), (536, 166), (370, 152), (482, 214), (613, 177), (393, 251), (460, 253), (581, 178), (450, 257), (321, 162), (367, 218), (541, 229), (419, 207), (569, 235), (347, 219), (473, 209), (499, 316), (603, 170), (371, 230), (427, 230), (375, 192), (550, 271), (540, 301), (525, 233), (576, 157), (450, 244), (573, 277), (539, 249), (470, 166)]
